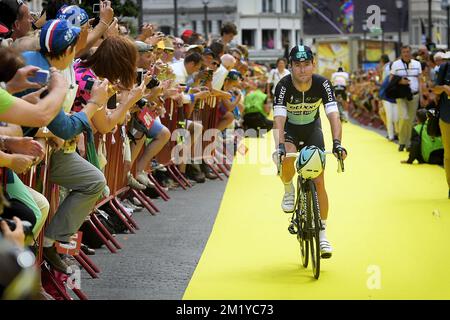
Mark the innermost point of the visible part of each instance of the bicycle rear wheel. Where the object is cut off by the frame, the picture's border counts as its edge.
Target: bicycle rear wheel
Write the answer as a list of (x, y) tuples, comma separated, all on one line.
[(313, 223)]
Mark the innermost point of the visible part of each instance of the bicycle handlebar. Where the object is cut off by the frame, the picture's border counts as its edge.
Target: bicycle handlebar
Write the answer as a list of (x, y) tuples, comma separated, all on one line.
[(341, 167)]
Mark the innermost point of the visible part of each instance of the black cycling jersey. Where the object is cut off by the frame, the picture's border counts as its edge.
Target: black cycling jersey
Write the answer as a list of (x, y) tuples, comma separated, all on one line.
[(302, 108)]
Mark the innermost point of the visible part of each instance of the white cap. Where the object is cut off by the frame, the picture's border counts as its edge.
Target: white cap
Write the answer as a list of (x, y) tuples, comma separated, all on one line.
[(447, 55), (439, 55)]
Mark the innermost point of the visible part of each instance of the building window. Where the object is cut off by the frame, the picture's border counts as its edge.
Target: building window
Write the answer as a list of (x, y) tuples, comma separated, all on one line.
[(268, 37), (248, 38), (285, 6), (286, 38), (267, 6), (209, 26), (194, 26), (219, 25), (165, 29)]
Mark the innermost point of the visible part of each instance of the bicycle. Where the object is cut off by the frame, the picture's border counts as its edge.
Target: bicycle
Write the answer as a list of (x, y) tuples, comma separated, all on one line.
[(306, 222)]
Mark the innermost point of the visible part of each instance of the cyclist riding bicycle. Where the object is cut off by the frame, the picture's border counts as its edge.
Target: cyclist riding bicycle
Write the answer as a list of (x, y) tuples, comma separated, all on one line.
[(297, 101), (340, 81)]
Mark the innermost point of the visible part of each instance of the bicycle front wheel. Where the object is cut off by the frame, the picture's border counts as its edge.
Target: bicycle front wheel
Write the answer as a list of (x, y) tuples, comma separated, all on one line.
[(313, 222)]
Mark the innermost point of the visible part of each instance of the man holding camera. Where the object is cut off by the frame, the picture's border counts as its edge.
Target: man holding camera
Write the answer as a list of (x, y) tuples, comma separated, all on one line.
[(410, 71)]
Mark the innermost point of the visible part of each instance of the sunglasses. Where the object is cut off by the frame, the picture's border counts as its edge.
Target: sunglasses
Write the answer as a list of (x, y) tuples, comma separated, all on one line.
[(215, 64)]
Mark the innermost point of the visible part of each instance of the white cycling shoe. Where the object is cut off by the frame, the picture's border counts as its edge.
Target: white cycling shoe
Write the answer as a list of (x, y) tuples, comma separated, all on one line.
[(288, 203), (326, 251)]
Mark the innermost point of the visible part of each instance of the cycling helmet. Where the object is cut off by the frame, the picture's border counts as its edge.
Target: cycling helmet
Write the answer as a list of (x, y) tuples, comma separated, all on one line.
[(311, 162)]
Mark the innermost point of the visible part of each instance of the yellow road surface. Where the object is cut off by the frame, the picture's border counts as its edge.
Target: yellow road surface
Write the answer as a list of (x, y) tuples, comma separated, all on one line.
[(389, 225)]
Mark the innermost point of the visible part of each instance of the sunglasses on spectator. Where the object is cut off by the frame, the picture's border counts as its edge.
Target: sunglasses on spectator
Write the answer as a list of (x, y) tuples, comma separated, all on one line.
[(215, 64)]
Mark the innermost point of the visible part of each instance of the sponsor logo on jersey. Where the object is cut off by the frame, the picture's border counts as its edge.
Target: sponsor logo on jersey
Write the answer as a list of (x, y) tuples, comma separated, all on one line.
[(327, 87)]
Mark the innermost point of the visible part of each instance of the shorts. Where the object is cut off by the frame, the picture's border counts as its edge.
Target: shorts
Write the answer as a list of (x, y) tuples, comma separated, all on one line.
[(305, 135), (156, 128), (340, 91)]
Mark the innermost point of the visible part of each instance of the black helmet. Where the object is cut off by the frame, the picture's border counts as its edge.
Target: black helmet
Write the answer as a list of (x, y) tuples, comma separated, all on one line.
[(301, 53)]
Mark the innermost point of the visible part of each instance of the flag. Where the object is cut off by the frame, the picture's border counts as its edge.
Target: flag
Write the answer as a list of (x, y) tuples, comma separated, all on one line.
[(424, 31)]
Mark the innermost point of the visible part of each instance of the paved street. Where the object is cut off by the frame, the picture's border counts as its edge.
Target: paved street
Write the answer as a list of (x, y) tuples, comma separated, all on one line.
[(158, 262)]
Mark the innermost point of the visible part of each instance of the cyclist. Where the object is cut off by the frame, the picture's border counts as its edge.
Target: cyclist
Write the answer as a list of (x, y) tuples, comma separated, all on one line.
[(340, 81), (297, 102)]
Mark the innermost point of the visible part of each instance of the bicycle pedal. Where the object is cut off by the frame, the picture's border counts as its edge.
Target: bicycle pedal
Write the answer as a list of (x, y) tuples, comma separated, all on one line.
[(292, 230)]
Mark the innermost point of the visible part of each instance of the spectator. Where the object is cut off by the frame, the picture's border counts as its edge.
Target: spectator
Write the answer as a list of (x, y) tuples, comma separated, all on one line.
[(424, 149), (15, 14), (276, 75), (443, 90), (227, 33), (410, 71), (257, 110)]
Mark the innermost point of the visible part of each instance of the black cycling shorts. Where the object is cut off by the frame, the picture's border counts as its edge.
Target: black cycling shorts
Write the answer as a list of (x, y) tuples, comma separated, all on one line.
[(305, 135), (340, 91)]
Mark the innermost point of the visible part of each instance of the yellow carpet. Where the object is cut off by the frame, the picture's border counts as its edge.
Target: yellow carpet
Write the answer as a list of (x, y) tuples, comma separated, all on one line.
[(389, 225)]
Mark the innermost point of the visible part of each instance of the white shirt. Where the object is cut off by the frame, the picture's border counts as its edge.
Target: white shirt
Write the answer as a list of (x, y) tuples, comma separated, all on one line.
[(412, 71), (181, 77), (340, 79), (275, 76), (181, 74), (219, 77)]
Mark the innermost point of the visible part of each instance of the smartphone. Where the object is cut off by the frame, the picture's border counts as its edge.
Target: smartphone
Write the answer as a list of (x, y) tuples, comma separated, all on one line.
[(96, 8), (89, 84), (112, 102), (140, 76), (40, 77)]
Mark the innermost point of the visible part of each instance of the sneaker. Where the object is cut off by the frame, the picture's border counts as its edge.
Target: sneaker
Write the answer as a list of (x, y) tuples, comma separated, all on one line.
[(87, 251), (157, 166), (137, 202), (142, 178), (128, 204), (401, 147), (133, 183), (53, 258), (193, 172), (209, 174), (325, 249), (288, 204)]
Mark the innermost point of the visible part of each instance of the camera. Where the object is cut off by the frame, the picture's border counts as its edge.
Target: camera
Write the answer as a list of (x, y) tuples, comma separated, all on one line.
[(142, 103), (153, 83), (27, 227)]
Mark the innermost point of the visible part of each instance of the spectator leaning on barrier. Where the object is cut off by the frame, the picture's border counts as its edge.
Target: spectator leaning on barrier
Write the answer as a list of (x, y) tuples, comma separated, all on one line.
[(410, 71), (68, 169)]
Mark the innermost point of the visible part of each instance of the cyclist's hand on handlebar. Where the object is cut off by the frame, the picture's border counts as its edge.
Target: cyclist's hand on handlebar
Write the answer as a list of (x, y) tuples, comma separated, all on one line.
[(281, 152), (338, 150)]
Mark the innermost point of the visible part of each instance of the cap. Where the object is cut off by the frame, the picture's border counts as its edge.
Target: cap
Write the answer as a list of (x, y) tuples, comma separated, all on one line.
[(439, 55), (187, 33), (57, 35), (168, 44), (73, 14), (301, 53), (209, 52), (447, 55), (3, 30), (195, 46), (234, 75), (9, 9), (143, 47)]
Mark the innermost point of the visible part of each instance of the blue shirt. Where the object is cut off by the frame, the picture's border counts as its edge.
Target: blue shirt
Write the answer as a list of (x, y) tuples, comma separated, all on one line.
[(63, 126)]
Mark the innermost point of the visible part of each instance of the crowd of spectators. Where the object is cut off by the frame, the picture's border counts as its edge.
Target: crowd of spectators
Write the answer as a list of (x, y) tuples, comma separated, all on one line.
[(408, 97), (68, 80)]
